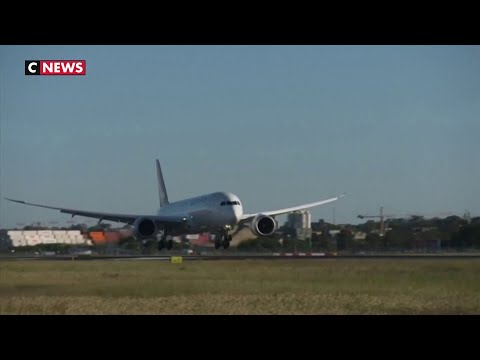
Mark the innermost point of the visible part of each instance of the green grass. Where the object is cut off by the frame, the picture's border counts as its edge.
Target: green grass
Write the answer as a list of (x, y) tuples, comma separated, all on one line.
[(241, 287)]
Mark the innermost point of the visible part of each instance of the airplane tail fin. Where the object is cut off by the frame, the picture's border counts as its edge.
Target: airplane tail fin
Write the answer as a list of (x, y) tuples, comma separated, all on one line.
[(162, 191)]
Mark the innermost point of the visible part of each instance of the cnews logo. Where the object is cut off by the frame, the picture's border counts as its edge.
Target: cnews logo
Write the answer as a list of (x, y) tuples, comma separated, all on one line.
[(55, 67)]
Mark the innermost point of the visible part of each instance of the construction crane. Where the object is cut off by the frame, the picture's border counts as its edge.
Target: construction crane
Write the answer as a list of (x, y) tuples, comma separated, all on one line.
[(383, 216)]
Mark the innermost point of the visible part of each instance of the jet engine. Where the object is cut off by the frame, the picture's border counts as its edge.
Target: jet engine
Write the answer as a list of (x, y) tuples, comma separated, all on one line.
[(263, 225), (144, 228)]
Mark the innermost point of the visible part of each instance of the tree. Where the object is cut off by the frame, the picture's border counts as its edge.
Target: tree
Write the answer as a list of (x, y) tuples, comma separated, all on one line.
[(467, 237), (130, 243), (260, 244), (373, 241), (368, 227), (345, 240), (399, 238), (429, 238), (325, 239)]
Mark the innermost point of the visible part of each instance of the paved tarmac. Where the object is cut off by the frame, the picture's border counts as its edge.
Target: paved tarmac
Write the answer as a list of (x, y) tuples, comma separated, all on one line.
[(167, 257)]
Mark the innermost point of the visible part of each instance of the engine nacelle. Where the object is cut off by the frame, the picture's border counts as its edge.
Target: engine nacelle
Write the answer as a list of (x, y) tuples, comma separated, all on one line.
[(144, 228), (263, 225)]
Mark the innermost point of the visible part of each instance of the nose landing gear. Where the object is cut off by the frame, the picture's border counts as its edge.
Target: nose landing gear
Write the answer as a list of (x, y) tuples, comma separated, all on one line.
[(223, 240)]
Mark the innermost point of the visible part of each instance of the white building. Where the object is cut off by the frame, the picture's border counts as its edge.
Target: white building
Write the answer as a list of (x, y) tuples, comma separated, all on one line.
[(300, 221), (35, 237)]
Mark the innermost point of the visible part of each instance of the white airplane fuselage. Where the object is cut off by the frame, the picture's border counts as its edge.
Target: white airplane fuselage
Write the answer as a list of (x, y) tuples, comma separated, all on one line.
[(207, 212)]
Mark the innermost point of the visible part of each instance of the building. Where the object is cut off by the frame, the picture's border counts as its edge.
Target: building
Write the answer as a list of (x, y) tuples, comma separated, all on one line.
[(299, 220), (300, 223), (19, 238)]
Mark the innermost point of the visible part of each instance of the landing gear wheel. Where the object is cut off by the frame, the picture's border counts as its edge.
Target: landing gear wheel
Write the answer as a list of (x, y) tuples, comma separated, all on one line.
[(226, 244), (229, 238), (218, 243), (161, 244), (147, 246), (169, 244)]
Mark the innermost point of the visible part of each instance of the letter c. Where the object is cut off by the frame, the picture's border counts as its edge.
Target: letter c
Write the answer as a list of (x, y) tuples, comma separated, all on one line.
[(30, 67)]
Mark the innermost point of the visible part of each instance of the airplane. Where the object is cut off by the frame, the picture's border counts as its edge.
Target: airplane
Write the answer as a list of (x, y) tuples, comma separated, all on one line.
[(217, 212)]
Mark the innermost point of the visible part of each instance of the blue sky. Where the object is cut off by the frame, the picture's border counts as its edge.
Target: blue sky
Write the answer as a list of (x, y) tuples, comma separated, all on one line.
[(396, 126)]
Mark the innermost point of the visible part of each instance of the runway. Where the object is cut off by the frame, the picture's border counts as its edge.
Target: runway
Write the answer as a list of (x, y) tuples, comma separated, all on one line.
[(232, 257)]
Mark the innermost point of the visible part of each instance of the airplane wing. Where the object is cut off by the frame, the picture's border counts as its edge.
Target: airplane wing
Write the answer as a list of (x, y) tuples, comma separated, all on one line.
[(246, 217), (123, 218)]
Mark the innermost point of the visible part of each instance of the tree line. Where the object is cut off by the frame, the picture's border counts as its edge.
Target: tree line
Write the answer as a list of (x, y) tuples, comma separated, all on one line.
[(413, 234)]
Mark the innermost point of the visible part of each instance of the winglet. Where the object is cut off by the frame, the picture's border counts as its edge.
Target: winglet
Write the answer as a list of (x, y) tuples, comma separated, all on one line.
[(17, 201), (162, 191)]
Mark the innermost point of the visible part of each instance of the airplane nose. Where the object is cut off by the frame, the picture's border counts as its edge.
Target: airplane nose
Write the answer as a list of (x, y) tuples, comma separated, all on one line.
[(237, 213)]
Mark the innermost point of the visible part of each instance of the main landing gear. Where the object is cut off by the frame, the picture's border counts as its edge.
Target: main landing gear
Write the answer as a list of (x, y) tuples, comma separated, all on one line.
[(163, 243)]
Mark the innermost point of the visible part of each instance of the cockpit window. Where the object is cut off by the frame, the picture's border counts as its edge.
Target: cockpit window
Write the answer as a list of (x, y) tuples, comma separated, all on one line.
[(230, 203)]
